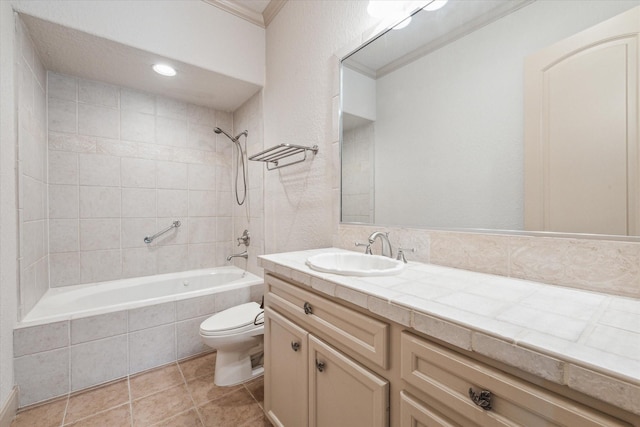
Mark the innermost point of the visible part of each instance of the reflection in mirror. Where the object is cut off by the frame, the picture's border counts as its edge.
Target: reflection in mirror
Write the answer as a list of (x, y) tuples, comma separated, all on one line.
[(438, 130)]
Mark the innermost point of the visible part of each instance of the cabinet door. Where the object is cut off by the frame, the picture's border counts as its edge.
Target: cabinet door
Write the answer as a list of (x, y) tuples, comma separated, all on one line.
[(342, 392), (286, 384)]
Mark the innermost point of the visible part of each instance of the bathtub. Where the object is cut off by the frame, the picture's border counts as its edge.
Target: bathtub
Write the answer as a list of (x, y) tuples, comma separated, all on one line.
[(80, 336)]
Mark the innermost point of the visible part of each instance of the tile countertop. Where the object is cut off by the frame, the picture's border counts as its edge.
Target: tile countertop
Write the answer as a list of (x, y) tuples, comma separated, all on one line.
[(586, 340)]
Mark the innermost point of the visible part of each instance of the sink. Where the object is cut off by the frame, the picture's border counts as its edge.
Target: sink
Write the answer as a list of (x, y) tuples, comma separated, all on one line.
[(353, 264)]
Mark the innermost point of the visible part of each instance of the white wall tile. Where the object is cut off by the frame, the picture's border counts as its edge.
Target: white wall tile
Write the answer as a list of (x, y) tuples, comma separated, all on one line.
[(97, 327), (100, 121), (99, 93), (33, 199), (63, 168), (99, 169), (64, 269), (152, 347), (135, 229), (100, 202), (136, 126), (63, 201), (201, 116), (97, 362), (189, 340), (137, 262), (172, 203), (138, 173), (224, 230), (196, 307), (201, 137), (99, 266), (203, 203), (138, 203), (171, 108), (172, 175), (171, 132), (140, 102), (151, 316), (98, 234), (224, 203), (62, 115), (37, 339), (61, 86), (42, 376), (230, 299), (63, 235), (202, 255), (202, 177), (173, 258), (32, 242), (202, 230)]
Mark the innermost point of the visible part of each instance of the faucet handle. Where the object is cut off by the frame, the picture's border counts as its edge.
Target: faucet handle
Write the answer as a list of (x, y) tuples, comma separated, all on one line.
[(401, 252), (368, 247)]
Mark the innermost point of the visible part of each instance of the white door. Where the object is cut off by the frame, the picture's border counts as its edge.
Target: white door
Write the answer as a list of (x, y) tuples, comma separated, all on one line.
[(581, 132)]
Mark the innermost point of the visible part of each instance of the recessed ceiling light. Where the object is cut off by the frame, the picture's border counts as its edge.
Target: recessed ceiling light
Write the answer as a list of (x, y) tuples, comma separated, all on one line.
[(164, 69), (435, 5)]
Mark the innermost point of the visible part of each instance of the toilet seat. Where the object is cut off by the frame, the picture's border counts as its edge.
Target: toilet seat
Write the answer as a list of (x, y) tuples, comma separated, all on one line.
[(234, 320)]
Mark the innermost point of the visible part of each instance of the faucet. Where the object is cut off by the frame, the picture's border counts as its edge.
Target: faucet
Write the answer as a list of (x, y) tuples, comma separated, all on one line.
[(244, 255), (384, 238)]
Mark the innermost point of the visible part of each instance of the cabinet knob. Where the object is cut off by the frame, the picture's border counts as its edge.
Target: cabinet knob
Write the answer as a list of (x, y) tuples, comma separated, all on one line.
[(482, 399), (307, 308), (295, 345), (320, 366)]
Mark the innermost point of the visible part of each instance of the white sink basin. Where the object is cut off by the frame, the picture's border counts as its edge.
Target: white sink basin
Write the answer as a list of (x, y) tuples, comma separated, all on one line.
[(353, 264)]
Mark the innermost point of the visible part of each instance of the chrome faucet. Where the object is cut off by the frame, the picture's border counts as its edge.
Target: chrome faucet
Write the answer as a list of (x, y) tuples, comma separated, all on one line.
[(386, 244), (244, 255)]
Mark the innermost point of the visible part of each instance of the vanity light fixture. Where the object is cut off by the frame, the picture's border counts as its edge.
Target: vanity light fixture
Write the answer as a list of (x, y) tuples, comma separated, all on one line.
[(164, 70)]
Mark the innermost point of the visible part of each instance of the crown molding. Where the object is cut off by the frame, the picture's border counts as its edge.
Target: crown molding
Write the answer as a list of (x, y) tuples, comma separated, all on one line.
[(261, 19)]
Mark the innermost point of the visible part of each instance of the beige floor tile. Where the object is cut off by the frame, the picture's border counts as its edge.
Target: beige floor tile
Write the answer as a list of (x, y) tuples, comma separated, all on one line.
[(160, 406), (261, 421), (199, 366), (256, 388), (156, 380), (97, 400), (234, 409), (47, 415), (117, 417), (204, 390), (185, 419)]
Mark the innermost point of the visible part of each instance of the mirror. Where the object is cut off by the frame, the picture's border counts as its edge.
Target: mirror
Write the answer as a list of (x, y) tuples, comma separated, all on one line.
[(438, 131)]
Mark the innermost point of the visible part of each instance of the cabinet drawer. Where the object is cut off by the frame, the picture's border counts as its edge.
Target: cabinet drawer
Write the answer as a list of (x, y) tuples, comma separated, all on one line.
[(415, 414), (446, 377), (367, 337)]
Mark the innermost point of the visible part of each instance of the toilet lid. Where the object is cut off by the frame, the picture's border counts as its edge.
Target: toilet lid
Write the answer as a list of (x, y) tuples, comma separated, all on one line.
[(236, 317)]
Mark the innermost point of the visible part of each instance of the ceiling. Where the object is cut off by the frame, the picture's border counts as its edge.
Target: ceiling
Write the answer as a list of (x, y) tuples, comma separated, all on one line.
[(68, 51)]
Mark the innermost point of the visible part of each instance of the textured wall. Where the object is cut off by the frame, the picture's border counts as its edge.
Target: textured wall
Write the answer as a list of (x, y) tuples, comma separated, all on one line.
[(8, 202), (298, 109), (124, 164)]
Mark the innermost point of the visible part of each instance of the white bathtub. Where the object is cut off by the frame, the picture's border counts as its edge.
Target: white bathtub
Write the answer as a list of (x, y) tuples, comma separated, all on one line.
[(123, 327), (72, 302)]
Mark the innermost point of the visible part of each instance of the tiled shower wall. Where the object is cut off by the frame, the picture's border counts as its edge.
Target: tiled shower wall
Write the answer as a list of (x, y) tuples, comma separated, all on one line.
[(32, 171), (124, 164)]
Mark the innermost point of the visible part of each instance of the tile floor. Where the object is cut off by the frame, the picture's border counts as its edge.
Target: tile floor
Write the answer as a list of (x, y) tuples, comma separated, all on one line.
[(175, 395)]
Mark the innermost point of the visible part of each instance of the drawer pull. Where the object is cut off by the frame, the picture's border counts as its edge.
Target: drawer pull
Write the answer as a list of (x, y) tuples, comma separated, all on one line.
[(307, 308), (320, 366), (295, 345), (482, 399)]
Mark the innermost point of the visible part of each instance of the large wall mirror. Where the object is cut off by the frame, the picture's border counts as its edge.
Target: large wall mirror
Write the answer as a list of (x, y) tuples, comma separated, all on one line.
[(497, 115)]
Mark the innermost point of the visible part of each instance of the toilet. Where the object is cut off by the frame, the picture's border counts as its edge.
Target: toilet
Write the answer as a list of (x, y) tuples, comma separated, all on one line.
[(237, 335)]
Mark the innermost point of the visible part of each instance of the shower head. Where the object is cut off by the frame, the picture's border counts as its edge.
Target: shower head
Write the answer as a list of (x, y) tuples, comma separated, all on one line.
[(219, 131)]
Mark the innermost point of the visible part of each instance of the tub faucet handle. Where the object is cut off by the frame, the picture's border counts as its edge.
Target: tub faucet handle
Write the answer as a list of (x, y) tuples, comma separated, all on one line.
[(244, 239)]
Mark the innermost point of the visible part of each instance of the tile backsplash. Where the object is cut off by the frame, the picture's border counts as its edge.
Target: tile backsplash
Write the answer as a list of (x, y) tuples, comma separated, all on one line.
[(125, 164), (611, 267)]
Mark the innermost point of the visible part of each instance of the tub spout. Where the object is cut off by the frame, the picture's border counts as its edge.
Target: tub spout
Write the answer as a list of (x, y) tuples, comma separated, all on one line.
[(244, 255)]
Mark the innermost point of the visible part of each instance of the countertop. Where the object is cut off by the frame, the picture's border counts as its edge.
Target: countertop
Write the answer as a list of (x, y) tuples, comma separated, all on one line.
[(585, 340)]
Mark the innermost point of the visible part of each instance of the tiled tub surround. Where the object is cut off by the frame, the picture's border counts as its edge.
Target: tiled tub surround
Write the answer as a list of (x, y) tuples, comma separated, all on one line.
[(53, 359), (124, 164), (587, 341)]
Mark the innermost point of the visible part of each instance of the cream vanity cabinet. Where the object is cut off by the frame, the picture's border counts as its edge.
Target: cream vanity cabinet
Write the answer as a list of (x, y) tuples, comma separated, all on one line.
[(307, 380), (316, 349)]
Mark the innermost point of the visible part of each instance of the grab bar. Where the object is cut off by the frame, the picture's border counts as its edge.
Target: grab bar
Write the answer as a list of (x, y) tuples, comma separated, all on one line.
[(150, 239)]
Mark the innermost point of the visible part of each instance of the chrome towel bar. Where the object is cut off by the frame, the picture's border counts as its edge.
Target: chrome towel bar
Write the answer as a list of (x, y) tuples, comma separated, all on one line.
[(273, 155), (150, 239)]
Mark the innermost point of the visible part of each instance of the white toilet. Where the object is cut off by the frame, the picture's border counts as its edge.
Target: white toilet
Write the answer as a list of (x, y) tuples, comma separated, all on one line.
[(237, 334)]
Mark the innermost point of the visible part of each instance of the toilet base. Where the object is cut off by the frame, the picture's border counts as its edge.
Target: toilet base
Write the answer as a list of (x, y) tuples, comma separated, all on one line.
[(235, 367)]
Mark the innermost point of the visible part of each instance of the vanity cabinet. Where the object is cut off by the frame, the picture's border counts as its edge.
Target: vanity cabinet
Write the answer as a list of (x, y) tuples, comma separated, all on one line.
[(307, 380)]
